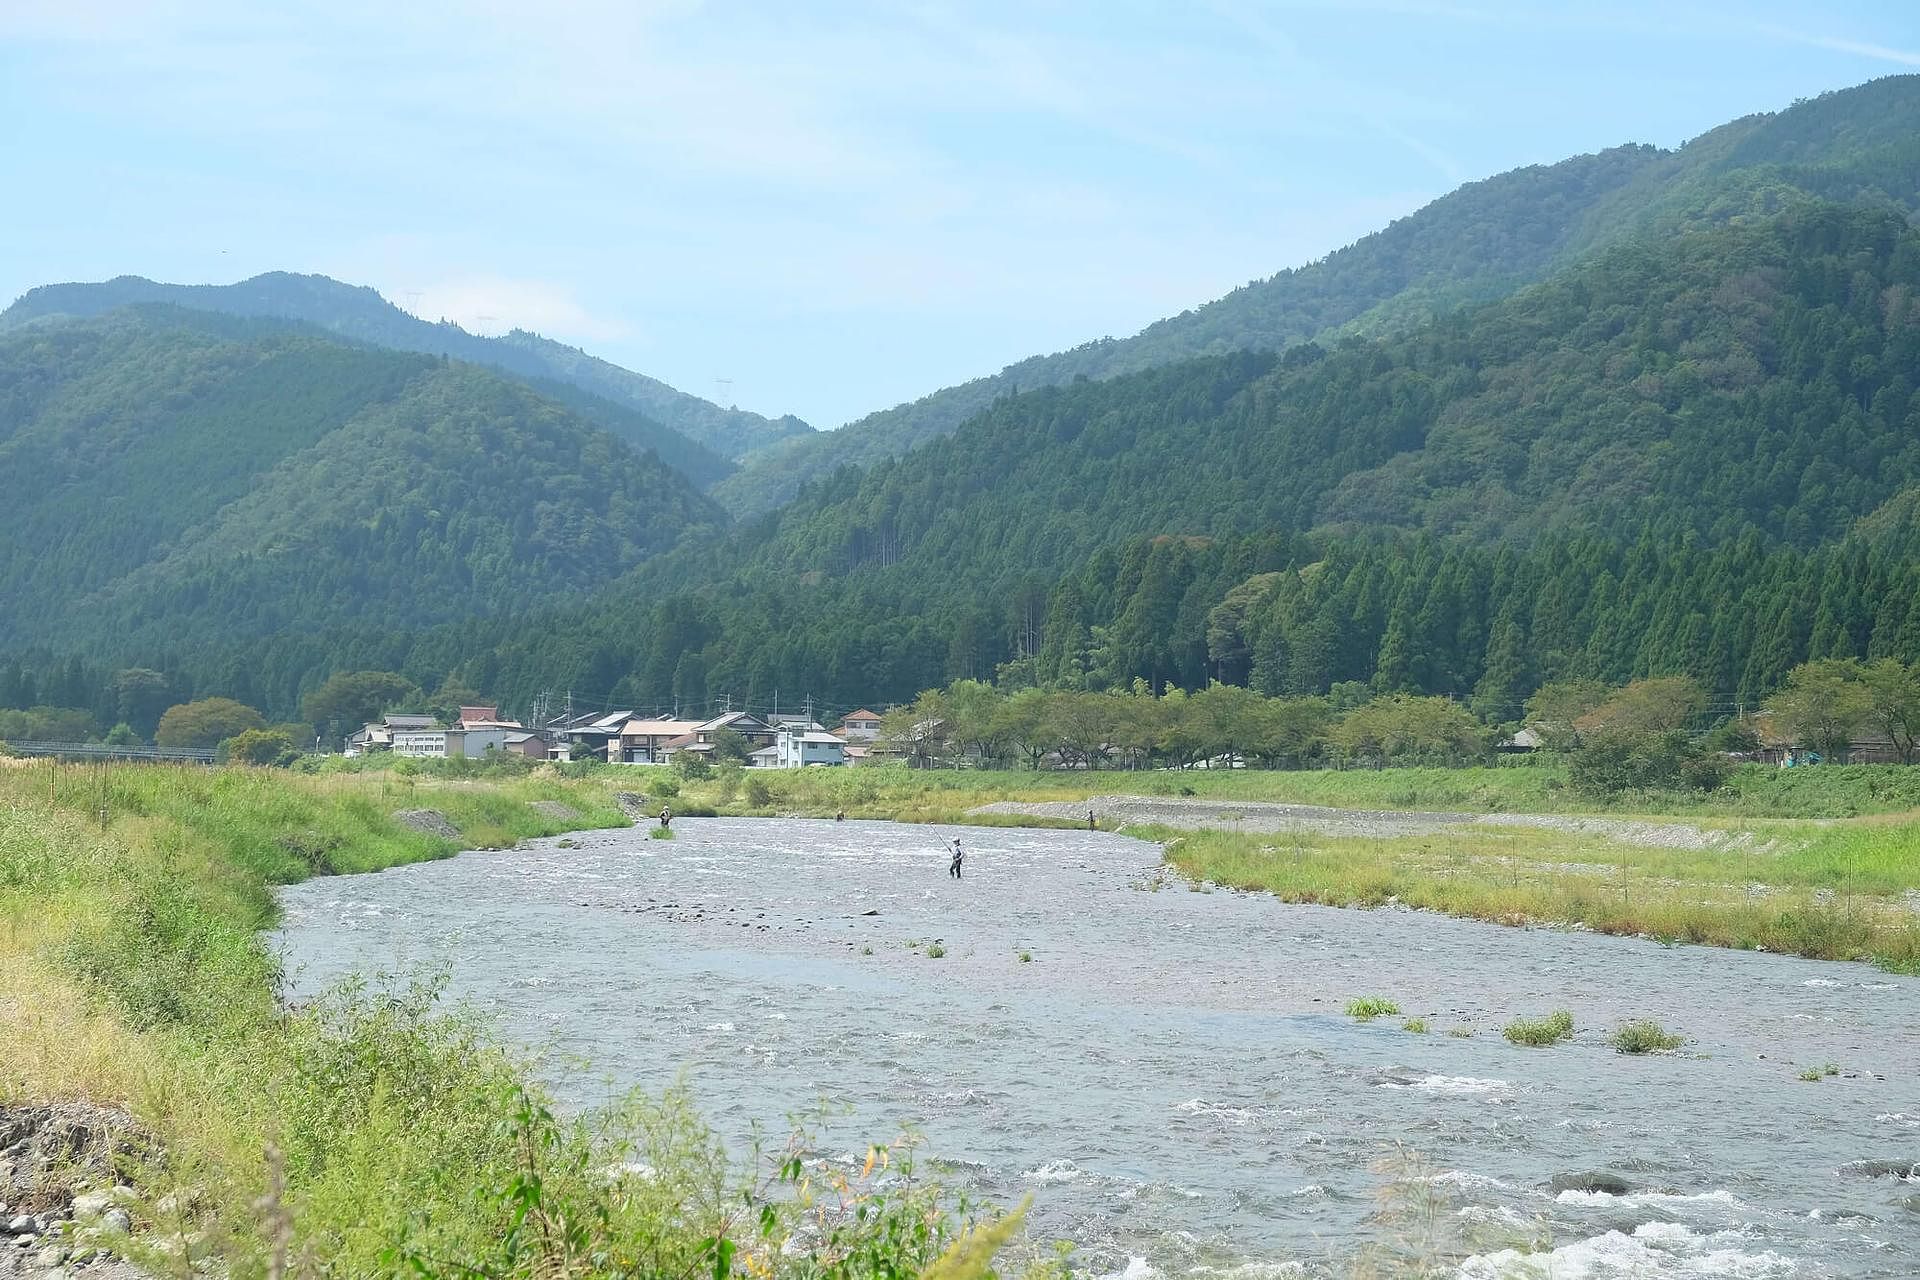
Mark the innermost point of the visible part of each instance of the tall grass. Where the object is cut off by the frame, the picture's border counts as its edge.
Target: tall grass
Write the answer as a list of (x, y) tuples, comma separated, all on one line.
[(1825, 894), (1539, 786), (389, 1134)]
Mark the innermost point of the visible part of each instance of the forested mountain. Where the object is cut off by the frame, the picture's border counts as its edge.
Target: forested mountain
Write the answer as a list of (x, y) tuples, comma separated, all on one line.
[(1750, 386), (362, 314), (1483, 241), (1642, 413), (175, 477), (1759, 376)]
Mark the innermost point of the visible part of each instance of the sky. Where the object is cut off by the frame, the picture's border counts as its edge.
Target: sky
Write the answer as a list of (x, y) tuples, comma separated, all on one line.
[(829, 208)]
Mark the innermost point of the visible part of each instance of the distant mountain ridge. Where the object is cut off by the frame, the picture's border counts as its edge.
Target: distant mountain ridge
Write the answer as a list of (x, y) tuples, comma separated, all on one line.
[(175, 476), (1476, 244), (360, 313)]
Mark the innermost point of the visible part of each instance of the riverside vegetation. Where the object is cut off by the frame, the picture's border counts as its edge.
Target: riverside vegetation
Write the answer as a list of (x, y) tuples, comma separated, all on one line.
[(1764, 862), (385, 1134)]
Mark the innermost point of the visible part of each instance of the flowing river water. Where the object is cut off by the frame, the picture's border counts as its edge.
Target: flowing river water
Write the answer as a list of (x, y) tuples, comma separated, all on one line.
[(1172, 1074)]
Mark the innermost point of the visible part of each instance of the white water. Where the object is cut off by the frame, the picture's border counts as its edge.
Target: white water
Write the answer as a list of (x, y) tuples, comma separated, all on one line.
[(1172, 1075)]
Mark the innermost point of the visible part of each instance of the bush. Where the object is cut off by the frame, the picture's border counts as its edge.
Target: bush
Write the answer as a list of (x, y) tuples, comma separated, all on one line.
[(1643, 1035), (260, 746), (1366, 1008), (1610, 762), (1552, 1029), (758, 795), (691, 765), (663, 787)]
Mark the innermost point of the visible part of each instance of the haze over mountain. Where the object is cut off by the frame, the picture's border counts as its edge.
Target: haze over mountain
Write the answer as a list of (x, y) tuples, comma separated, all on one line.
[(362, 314), (1483, 241), (177, 477)]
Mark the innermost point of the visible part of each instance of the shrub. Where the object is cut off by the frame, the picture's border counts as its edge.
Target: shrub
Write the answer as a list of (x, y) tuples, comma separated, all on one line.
[(935, 951), (1552, 1029), (757, 793), (260, 746), (660, 833), (1609, 762), (1643, 1035), (1366, 1008), (663, 787)]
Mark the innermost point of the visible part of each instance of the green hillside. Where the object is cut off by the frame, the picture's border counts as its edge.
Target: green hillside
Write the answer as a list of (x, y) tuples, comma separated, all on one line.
[(175, 476), (1755, 377), (1748, 388), (653, 408), (1481, 242)]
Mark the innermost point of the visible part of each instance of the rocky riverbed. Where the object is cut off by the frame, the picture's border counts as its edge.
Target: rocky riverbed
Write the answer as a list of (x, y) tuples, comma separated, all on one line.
[(63, 1208)]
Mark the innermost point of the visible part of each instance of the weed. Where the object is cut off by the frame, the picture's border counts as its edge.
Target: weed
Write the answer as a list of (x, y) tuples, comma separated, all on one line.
[(1367, 1008), (660, 833), (1550, 1030), (1416, 1025), (1820, 1072), (1026, 957), (935, 951), (1643, 1035), (866, 951), (1460, 1033)]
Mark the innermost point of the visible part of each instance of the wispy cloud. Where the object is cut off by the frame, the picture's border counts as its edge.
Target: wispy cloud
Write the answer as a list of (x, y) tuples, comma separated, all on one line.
[(1839, 44), (492, 305)]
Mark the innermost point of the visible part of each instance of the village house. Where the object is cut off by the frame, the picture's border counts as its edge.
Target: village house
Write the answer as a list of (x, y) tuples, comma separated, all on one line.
[(797, 748), (643, 741), (377, 735), (699, 740), (597, 731), (863, 725)]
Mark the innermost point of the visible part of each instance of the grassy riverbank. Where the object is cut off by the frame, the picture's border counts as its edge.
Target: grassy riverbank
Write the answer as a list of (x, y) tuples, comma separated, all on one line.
[(1783, 866), (132, 974), (1824, 893), (1751, 791)]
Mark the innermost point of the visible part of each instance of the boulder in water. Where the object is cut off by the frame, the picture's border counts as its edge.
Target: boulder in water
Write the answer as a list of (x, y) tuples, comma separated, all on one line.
[(1610, 1184), (1881, 1169)]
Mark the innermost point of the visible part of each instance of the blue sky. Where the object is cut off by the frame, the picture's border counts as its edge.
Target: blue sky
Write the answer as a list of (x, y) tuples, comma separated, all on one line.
[(831, 206)]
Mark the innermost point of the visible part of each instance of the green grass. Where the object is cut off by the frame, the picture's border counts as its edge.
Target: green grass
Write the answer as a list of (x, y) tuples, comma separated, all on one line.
[(1532, 786), (1826, 892), (132, 973), (1417, 1026), (1539, 1033), (1367, 1008), (934, 951), (660, 833), (1643, 1035), (1812, 1074)]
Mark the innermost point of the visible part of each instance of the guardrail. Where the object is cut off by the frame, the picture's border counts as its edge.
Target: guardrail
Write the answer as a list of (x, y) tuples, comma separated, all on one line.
[(102, 751)]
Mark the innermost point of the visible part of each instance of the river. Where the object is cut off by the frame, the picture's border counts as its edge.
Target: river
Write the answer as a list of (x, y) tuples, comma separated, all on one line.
[(1172, 1073)]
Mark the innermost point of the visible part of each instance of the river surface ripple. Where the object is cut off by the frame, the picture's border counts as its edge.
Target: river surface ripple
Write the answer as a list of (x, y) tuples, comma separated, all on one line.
[(1172, 1074)]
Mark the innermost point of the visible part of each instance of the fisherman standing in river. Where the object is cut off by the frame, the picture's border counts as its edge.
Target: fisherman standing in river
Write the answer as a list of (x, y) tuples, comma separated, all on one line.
[(953, 868)]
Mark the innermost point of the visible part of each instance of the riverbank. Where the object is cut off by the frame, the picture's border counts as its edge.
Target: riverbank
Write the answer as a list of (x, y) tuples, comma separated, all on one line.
[(369, 1132), (1819, 862)]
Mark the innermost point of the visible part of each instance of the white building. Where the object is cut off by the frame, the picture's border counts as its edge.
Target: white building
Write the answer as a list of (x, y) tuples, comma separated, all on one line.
[(799, 748), (448, 744), (421, 744)]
